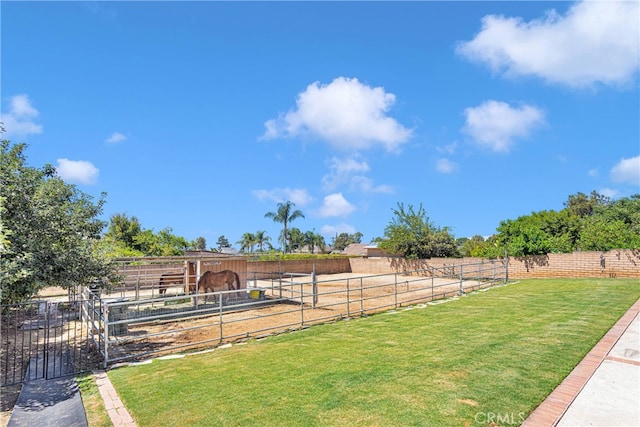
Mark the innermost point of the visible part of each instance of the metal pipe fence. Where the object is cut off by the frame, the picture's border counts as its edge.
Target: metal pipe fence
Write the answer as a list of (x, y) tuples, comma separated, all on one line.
[(127, 328), (44, 340)]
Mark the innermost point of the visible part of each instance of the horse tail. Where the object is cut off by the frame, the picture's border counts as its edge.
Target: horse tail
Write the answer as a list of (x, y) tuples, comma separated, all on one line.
[(237, 280)]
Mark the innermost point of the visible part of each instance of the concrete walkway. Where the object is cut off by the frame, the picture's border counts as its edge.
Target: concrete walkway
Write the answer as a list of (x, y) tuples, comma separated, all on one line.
[(603, 389)]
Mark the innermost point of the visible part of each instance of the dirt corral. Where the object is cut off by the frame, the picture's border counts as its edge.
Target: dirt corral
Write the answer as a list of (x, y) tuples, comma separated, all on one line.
[(281, 308)]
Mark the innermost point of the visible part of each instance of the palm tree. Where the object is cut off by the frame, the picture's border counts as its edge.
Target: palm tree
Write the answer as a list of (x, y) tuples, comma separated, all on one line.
[(296, 239), (261, 239), (314, 240), (284, 215), (247, 241)]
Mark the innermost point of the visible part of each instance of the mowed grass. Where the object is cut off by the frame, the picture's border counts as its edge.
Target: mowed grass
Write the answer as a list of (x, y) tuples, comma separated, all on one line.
[(501, 351)]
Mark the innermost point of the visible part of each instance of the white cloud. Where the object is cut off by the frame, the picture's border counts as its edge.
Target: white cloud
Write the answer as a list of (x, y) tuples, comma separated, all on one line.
[(448, 149), (594, 173), (20, 120), (116, 137), (299, 196), (77, 171), (627, 171), (340, 171), (365, 185), (335, 205), (495, 124), (608, 192), (334, 230), (595, 41), (447, 166), (345, 113), (349, 172)]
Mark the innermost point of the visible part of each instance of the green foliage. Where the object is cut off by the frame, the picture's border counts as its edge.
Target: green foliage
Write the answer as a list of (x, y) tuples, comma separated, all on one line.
[(200, 244), (285, 214), (49, 231), (222, 242), (591, 223), (412, 235), (582, 205), (259, 239), (540, 233), (314, 240), (125, 237), (342, 240), (247, 242), (471, 247), (262, 240), (279, 256), (296, 239)]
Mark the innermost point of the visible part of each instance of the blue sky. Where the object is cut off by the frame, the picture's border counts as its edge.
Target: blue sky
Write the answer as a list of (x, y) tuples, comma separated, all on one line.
[(202, 116)]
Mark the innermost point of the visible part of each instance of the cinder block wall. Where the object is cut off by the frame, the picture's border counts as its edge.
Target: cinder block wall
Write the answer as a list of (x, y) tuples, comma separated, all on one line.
[(304, 266), (615, 263)]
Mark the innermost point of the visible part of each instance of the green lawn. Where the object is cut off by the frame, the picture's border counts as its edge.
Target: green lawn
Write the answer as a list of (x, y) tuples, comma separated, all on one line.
[(501, 351)]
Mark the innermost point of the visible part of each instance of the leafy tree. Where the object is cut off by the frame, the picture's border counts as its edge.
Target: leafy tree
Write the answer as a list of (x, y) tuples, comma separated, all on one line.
[(412, 235), (599, 234), (222, 242), (582, 205), (165, 243), (540, 233), (284, 215), (200, 244), (612, 226), (49, 231), (124, 229), (471, 247), (588, 222), (125, 237), (342, 240)]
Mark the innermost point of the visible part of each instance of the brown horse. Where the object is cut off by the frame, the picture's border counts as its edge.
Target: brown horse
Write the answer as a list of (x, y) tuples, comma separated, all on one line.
[(222, 281), (166, 279)]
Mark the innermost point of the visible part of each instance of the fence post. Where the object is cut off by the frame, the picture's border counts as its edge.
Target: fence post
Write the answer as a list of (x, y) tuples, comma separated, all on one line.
[(314, 286), (301, 303), (461, 292), (220, 305), (395, 290), (105, 322), (361, 299), (348, 301), (433, 275), (506, 266)]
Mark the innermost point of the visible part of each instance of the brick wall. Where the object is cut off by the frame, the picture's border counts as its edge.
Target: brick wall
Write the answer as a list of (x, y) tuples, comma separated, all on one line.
[(323, 266), (615, 263)]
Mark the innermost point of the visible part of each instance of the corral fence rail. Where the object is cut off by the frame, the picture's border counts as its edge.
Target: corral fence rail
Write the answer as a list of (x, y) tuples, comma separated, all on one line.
[(129, 326)]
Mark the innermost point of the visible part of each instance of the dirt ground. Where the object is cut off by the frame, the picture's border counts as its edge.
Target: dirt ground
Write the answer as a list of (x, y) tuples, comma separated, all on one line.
[(339, 296)]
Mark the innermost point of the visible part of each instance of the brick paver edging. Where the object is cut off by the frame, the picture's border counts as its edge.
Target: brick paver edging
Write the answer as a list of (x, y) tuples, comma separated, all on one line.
[(556, 404), (119, 415)]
